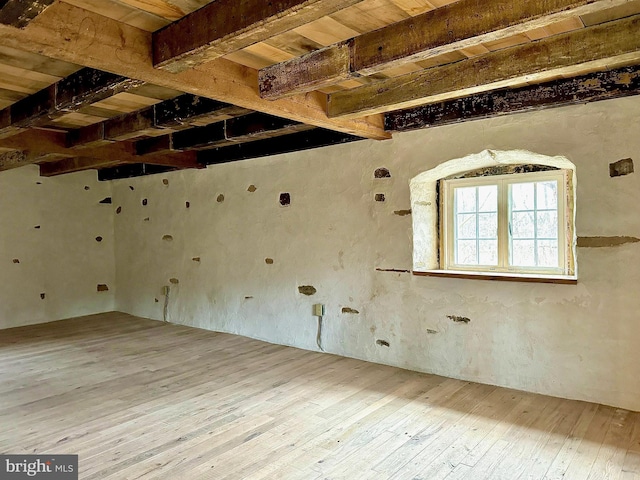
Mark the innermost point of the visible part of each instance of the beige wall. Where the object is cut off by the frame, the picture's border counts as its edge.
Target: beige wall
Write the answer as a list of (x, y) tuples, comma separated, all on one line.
[(62, 258)]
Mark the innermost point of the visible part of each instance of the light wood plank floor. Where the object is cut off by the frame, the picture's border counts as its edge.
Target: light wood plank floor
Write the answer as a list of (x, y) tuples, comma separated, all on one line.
[(142, 399)]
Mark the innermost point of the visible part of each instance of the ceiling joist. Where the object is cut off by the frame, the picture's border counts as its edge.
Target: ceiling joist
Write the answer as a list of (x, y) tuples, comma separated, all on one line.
[(602, 46), (225, 26), (463, 24), (70, 165), (18, 13)]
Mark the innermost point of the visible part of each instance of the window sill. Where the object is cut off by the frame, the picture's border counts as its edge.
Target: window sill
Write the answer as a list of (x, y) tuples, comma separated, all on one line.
[(507, 277)]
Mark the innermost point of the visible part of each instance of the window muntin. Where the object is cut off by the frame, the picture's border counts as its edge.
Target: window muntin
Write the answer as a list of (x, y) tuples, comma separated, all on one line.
[(506, 223)]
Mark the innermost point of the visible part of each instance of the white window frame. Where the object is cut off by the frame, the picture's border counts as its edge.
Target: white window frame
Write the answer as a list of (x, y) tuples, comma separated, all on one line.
[(565, 233)]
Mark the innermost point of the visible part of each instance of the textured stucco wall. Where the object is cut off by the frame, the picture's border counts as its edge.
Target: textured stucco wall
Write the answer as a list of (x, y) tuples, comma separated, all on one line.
[(571, 341), (61, 259)]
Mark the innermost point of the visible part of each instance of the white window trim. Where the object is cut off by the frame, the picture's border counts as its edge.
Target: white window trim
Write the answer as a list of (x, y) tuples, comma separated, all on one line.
[(504, 213)]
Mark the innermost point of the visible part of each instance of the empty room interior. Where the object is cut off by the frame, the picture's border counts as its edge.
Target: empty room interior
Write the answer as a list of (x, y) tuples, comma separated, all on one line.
[(320, 239)]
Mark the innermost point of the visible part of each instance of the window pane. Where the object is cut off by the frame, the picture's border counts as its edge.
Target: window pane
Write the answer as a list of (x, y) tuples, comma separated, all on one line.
[(466, 253), (522, 196), (466, 226), (488, 198), (547, 193), (522, 225), (466, 199), (488, 252), (523, 253), (548, 253), (488, 225), (547, 225)]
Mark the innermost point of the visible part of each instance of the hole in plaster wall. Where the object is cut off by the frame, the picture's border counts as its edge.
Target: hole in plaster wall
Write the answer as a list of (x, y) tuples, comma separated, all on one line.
[(102, 287), (382, 173), (307, 290), (285, 199), (156, 300), (106, 201), (268, 261), (175, 281), (187, 204), (431, 332), (349, 310), (98, 239), (167, 238), (43, 296), (252, 188), (86, 187), (146, 219), (15, 260), (248, 297), (118, 210), (131, 188), (144, 202), (621, 168), (402, 213), (196, 259), (37, 227), (383, 343), (380, 197), (165, 181), (38, 183), (220, 198), (458, 319)]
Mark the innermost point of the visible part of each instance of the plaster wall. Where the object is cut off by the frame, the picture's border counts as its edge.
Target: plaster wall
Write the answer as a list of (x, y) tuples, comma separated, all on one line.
[(574, 341), (48, 247)]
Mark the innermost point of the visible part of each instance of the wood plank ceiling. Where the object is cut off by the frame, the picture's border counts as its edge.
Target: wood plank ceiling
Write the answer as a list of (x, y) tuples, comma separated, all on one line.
[(132, 87)]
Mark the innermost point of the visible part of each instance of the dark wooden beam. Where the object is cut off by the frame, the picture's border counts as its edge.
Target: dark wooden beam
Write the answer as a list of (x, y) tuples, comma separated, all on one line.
[(225, 26), (610, 45), (247, 128), (586, 88), (130, 171), (273, 146), (69, 165), (82, 88), (461, 24), (14, 159), (175, 114), (18, 13)]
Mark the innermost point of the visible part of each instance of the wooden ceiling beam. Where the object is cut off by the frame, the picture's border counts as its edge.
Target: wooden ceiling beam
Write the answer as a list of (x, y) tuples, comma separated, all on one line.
[(130, 171), (608, 45), (462, 24), (82, 88), (225, 26), (71, 34), (18, 13), (594, 87), (70, 165), (14, 159)]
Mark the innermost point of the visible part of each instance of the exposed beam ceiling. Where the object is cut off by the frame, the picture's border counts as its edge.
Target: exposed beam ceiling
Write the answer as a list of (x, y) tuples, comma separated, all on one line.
[(607, 45), (18, 13), (463, 24)]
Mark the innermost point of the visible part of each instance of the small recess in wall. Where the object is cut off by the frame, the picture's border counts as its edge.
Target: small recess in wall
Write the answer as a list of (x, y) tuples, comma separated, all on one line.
[(352, 311), (131, 188), (307, 290), (175, 281), (252, 188), (167, 238), (106, 201), (86, 187), (43, 296), (99, 239), (380, 197), (285, 199), (156, 300), (268, 261), (383, 343), (118, 210), (220, 198), (621, 168), (146, 219), (15, 260), (382, 173), (458, 319), (187, 204), (37, 227), (38, 183), (102, 287), (249, 297), (196, 259), (402, 213), (145, 202), (165, 181)]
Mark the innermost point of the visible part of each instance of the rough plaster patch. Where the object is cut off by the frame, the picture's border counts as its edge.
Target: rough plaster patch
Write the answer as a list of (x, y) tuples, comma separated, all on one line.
[(458, 319), (431, 332), (285, 199), (402, 213), (382, 173), (600, 242), (621, 168), (252, 188), (380, 197), (383, 343), (350, 310), (268, 261), (307, 290), (220, 198), (102, 287)]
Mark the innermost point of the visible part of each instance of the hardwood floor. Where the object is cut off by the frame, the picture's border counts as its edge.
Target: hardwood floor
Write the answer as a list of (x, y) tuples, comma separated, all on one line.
[(142, 399)]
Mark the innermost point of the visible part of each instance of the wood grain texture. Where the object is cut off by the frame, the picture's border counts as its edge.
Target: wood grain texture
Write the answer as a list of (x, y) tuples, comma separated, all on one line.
[(143, 399)]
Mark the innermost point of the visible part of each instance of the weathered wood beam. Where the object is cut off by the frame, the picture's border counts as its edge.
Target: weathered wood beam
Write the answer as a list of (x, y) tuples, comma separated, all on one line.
[(608, 45), (188, 111), (82, 88), (247, 128), (40, 142), (69, 165), (14, 159), (71, 34), (274, 146), (225, 26), (462, 24), (594, 87), (130, 171), (18, 13)]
